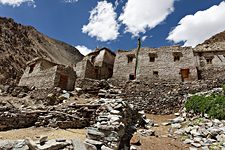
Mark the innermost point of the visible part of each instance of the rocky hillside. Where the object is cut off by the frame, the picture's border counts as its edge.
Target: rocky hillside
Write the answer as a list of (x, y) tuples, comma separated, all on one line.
[(19, 44), (220, 37), (215, 43)]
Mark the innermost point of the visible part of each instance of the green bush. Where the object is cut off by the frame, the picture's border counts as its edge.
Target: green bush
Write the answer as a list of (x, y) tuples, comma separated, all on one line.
[(223, 87), (213, 105)]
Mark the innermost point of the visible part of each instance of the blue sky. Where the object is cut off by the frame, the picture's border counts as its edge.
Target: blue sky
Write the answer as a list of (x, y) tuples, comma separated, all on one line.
[(118, 23)]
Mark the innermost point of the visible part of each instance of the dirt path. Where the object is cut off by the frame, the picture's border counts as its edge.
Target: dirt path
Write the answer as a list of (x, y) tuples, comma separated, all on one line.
[(35, 133), (161, 141)]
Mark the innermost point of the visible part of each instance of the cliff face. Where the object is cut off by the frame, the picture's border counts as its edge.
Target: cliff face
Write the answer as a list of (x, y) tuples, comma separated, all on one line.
[(19, 44)]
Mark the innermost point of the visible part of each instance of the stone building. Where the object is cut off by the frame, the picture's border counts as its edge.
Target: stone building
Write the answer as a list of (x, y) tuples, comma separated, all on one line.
[(156, 64), (96, 65), (42, 74), (210, 60)]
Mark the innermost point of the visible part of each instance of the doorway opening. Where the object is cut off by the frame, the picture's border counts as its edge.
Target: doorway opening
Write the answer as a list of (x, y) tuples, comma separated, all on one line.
[(131, 77), (63, 82), (185, 73)]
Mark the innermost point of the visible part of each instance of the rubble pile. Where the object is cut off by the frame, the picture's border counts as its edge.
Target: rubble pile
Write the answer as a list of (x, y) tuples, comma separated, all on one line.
[(199, 131), (114, 125), (42, 144), (202, 133), (113, 92), (90, 86), (71, 116)]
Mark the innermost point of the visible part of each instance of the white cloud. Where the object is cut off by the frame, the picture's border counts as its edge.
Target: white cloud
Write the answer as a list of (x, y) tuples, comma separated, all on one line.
[(144, 38), (70, 1), (102, 22), (195, 29), (140, 15), (83, 49), (17, 3)]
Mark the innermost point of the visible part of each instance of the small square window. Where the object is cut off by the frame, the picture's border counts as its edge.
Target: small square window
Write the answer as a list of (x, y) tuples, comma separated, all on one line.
[(176, 58), (152, 59), (209, 60), (131, 77), (156, 74), (130, 58)]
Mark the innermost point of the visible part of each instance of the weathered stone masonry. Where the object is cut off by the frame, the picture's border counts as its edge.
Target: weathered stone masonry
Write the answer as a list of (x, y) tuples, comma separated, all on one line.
[(163, 64), (96, 65), (43, 74), (171, 64)]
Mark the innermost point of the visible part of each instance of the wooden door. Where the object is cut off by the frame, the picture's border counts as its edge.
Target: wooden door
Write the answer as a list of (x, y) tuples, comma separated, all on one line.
[(185, 74)]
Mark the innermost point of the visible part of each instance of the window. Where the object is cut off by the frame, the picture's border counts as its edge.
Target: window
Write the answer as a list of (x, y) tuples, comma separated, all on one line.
[(156, 74), (31, 68), (130, 58), (177, 56), (131, 77), (92, 59), (209, 60), (152, 57)]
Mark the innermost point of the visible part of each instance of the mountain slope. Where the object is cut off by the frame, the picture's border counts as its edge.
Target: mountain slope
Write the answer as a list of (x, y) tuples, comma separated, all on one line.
[(215, 43), (19, 44), (220, 37)]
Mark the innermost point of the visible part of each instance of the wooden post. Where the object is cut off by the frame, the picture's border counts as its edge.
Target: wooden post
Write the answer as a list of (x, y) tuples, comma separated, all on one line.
[(137, 53)]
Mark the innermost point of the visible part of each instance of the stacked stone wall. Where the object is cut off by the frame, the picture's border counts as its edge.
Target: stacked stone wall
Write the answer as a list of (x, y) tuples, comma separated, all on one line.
[(162, 97), (114, 126)]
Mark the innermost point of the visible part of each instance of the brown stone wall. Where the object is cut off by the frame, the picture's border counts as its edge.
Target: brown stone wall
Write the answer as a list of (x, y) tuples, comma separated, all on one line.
[(96, 67), (48, 75), (66, 72), (80, 69), (106, 71), (214, 69), (122, 69), (40, 78), (90, 70)]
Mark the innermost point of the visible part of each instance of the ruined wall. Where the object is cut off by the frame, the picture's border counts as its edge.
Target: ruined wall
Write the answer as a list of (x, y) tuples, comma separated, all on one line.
[(106, 66), (98, 60), (96, 66), (113, 127), (41, 77), (164, 66), (68, 72), (90, 70), (86, 69), (211, 65), (72, 116), (122, 69)]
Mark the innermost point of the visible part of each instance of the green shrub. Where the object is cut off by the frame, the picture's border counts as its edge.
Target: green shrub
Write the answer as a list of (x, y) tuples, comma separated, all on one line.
[(213, 105), (223, 87)]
